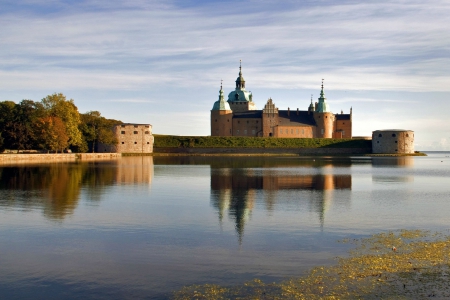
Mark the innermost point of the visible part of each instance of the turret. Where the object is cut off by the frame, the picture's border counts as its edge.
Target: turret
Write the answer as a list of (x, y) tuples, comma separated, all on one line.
[(324, 117), (221, 117)]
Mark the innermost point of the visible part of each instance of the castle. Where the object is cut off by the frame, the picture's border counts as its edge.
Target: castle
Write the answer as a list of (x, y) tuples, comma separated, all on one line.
[(238, 116)]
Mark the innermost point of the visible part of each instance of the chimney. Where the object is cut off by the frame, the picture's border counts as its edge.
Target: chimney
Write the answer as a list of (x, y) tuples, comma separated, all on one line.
[(289, 112), (297, 111)]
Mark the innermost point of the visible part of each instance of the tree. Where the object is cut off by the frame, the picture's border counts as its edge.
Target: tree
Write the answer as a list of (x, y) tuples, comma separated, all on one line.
[(52, 133), (57, 106), (97, 129)]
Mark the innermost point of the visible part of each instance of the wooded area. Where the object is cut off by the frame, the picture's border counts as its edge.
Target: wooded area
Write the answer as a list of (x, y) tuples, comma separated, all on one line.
[(53, 124)]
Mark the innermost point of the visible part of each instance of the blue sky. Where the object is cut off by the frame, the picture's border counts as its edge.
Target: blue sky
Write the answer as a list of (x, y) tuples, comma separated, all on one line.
[(161, 62)]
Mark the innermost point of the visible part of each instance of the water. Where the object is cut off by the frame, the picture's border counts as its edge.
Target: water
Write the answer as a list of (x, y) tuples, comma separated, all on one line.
[(142, 227)]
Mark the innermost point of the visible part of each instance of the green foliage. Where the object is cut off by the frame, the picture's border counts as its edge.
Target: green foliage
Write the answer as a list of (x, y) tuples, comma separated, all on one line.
[(56, 105), (97, 129), (255, 142)]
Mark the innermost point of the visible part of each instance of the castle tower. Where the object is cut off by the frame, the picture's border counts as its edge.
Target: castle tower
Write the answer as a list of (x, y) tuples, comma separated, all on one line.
[(221, 117), (324, 117), (241, 100)]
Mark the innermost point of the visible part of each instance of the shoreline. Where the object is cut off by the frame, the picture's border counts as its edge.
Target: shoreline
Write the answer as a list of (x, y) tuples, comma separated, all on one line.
[(83, 157)]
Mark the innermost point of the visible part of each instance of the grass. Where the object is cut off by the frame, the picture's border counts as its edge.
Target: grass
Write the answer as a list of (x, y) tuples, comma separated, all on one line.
[(417, 268), (255, 142)]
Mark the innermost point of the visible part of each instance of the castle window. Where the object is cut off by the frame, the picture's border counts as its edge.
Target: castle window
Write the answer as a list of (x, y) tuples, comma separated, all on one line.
[(378, 142), (216, 120), (303, 131), (148, 143), (230, 131), (292, 131), (396, 142), (343, 132), (237, 131), (287, 131), (256, 122), (407, 135), (122, 132), (135, 126), (343, 123), (147, 132), (297, 131), (239, 122), (123, 126), (281, 131), (393, 135), (147, 126), (135, 132), (321, 131), (123, 143), (247, 122), (380, 135), (253, 131), (245, 132), (228, 120), (135, 143)]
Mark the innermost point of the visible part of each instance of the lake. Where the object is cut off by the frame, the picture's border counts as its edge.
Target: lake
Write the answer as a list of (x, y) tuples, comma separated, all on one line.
[(142, 227)]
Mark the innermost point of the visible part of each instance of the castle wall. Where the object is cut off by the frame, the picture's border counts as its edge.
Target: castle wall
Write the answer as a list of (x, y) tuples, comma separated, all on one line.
[(221, 123), (294, 131), (393, 141), (247, 127), (270, 121), (343, 129)]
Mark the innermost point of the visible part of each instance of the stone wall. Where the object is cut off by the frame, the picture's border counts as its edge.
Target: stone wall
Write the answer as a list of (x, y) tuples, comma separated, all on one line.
[(54, 157)]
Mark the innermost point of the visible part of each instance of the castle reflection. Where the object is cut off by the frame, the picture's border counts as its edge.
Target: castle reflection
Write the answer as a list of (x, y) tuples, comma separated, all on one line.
[(56, 188), (234, 191), (395, 176)]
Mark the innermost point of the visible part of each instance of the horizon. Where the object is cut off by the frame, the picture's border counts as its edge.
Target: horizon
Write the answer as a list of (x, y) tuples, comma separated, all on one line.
[(162, 62)]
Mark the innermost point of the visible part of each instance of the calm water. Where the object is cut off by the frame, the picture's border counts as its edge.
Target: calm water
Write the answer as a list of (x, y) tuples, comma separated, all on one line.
[(141, 227)]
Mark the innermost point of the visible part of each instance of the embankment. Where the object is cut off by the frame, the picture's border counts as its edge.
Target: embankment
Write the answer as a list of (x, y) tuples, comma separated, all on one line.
[(259, 151), (207, 145), (55, 157)]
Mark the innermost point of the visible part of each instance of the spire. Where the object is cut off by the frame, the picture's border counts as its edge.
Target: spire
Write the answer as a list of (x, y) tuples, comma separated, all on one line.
[(221, 104), (322, 95), (311, 106), (322, 106), (240, 81)]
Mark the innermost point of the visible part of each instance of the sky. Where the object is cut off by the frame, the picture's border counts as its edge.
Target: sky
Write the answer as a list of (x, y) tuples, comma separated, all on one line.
[(161, 62)]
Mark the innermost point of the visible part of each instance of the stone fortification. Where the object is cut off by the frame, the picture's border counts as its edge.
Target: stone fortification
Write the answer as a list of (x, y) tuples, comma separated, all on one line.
[(393, 141), (132, 138)]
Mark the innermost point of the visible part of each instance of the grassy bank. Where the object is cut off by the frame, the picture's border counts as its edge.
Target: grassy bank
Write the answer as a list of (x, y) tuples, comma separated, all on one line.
[(255, 142)]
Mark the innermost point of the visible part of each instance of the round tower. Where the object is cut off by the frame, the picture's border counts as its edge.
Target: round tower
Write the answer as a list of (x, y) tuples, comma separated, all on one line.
[(240, 99), (324, 117), (221, 117)]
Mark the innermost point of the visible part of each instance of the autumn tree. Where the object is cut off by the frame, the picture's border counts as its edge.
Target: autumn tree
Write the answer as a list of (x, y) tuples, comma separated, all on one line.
[(57, 105), (52, 134)]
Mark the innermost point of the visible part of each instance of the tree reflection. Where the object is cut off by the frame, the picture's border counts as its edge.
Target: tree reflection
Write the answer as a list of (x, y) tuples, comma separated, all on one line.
[(56, 187)]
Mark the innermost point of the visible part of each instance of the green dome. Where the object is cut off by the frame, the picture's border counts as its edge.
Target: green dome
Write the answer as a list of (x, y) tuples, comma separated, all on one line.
[(221, 104)]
